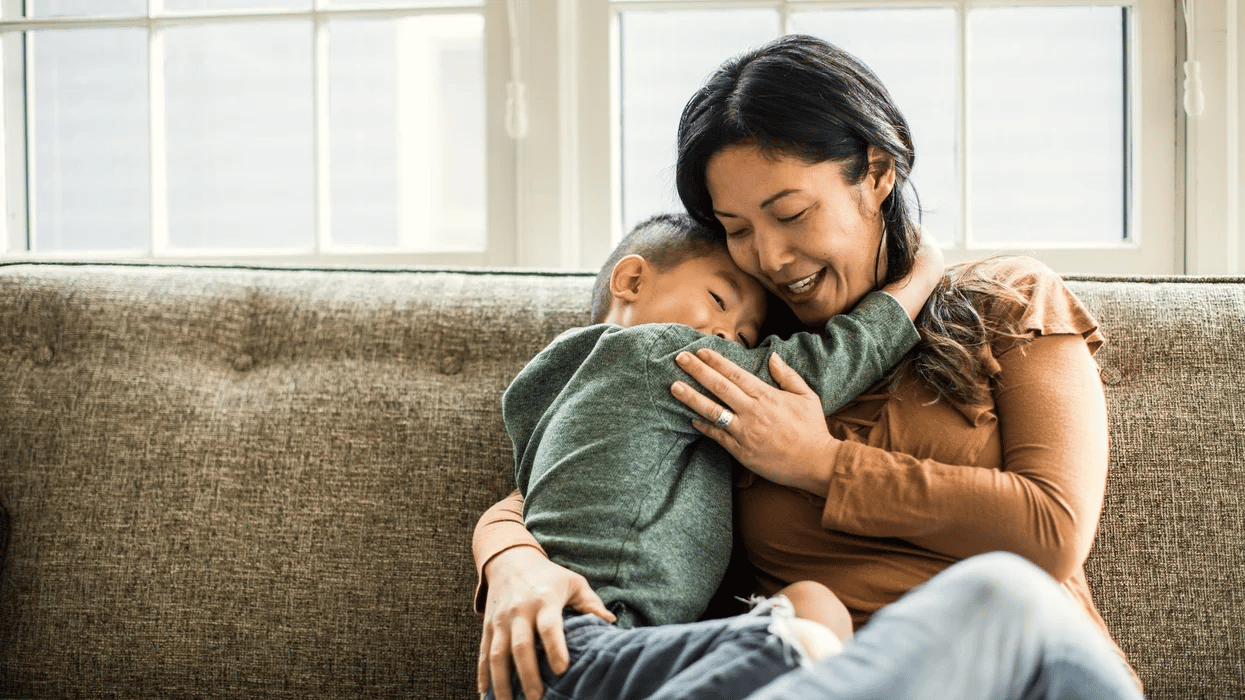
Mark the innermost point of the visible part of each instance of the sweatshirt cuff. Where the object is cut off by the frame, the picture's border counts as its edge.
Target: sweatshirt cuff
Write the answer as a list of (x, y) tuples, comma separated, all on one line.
[(882, 310)]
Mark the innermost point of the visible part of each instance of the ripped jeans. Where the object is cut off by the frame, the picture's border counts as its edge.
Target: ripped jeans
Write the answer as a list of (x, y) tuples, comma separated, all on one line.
[(992, 627), (725, 658)]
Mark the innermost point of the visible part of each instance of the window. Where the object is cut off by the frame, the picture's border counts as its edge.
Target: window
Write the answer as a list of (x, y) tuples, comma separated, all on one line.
[(247, 128), (1034, 122), (374, 131)]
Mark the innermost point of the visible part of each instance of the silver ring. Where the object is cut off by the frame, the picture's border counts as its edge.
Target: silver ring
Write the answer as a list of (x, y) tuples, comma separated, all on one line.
[(725, 419)]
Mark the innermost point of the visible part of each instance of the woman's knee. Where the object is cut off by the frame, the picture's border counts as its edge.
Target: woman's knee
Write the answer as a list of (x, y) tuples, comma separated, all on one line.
[(1005, 582)]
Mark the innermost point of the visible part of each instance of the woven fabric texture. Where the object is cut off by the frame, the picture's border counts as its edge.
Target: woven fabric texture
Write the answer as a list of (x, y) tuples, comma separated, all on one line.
[(228, 483)]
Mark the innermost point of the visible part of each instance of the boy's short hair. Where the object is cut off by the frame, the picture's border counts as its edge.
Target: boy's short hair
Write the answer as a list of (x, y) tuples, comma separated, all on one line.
[(665, 241)]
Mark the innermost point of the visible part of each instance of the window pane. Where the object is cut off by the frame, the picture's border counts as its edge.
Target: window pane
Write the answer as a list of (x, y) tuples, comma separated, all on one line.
[(913, 51), (407, 124), (85, 8), (665, 58), (240, 135), (364, 126), (91, 176), (218, 5), (1047, 125)]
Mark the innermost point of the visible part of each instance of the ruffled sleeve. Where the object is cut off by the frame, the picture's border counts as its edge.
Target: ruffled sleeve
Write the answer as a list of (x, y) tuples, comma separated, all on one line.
[(1043, 304)]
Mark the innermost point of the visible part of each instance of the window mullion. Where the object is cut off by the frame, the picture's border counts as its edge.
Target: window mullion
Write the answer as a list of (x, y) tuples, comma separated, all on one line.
[(320, 134), (963, 233), (158, 128), (32, 242)]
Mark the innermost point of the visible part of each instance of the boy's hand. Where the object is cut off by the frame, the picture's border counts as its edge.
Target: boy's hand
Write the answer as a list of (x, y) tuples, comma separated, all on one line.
[(927, 270)]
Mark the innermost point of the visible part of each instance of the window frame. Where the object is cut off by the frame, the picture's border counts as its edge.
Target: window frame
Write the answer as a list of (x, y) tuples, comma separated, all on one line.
[(553, 195), (1155, 243), (19, 232)]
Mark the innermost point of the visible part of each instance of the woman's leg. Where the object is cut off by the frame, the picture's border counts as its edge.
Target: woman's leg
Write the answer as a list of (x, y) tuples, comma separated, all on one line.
[(993, 627)]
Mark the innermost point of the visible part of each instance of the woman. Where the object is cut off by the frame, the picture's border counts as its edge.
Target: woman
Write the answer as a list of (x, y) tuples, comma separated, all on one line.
[(991, 436)]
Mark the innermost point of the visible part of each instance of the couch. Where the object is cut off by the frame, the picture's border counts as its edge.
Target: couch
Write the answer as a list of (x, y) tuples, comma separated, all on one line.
[(226, 482)]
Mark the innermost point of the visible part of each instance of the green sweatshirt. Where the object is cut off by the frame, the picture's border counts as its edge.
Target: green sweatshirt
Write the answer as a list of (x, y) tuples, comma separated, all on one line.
[(617, 484)]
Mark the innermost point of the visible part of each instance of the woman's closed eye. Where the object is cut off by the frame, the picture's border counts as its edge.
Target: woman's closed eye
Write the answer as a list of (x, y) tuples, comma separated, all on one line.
[(793, 217)]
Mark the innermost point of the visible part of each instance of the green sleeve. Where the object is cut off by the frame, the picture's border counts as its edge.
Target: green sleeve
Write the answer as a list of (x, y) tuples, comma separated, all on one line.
[(850, 354)]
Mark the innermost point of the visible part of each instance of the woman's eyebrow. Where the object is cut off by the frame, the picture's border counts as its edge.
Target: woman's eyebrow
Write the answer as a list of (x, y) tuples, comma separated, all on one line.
[(778, 196), (770, 200)]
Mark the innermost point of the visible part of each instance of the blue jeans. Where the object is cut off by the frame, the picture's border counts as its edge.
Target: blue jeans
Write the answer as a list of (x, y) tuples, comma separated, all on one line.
[(703, 660), (992, 627)]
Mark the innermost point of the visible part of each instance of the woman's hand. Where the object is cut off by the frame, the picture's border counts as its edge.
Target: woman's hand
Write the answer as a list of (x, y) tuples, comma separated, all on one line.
[(778, 433), (526, 596)]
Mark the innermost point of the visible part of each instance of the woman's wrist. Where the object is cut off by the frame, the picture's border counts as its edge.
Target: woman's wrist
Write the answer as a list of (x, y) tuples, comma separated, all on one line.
[(823, 456), (518, 558)]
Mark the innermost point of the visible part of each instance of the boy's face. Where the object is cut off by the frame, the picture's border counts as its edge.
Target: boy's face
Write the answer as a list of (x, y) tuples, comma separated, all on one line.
[(709, 293)]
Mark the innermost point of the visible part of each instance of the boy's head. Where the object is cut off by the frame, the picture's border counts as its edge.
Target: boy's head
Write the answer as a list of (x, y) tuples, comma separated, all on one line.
[(669, 269)]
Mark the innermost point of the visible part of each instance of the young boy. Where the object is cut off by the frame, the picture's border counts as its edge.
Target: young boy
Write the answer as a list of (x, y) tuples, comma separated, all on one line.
[(617, 484)]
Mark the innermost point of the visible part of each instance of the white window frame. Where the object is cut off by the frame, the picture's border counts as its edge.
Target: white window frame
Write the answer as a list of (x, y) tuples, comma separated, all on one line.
[(1155, 243), (500, 149), (552, 196), (1210, 35)]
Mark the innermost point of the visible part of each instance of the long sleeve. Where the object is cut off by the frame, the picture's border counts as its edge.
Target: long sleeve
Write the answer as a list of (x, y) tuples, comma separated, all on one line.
[(500, 528), (1044, 500)]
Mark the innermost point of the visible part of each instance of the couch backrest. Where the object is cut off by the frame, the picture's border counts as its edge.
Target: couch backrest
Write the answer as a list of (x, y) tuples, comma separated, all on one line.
[(233, 482), (1168, 570)]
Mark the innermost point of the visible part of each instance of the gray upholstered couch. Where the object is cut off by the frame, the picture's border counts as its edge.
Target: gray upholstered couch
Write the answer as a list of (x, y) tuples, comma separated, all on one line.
[(262, 483)]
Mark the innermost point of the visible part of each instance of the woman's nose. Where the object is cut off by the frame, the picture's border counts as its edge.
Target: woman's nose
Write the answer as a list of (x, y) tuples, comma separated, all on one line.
[(773, 253)]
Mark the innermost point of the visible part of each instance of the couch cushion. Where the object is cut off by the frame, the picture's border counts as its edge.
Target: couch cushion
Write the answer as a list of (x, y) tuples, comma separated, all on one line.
[(229, 483), (1168, 569)]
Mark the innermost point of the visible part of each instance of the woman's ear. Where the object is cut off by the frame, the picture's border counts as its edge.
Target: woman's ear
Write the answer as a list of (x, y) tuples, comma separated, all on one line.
[(628, 278), (881, 178)]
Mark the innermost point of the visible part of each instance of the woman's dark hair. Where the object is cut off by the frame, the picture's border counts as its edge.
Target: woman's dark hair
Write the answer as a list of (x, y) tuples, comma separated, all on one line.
[(799, 96)]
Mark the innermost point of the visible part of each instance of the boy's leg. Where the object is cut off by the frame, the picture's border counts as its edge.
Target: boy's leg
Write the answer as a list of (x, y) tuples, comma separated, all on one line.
[(715, 659), (993, 627)]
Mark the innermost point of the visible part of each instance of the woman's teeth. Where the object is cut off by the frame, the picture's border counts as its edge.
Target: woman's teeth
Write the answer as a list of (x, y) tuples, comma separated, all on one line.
[(803, 285)]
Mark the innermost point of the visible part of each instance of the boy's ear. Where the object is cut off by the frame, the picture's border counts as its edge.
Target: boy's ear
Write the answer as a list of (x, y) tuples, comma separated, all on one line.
[(629, 276)]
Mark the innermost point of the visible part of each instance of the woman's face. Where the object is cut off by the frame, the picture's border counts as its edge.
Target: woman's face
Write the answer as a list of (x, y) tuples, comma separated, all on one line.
[(808, 235)]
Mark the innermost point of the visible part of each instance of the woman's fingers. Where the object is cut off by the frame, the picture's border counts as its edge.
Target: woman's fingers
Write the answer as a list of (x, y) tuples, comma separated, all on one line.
[(787, 378), (499, 663), (723, 377), (483, 677), (526, 665)]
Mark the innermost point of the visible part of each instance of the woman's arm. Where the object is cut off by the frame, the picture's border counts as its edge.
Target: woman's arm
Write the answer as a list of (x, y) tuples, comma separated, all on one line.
[(1043, 504), (521, 594)]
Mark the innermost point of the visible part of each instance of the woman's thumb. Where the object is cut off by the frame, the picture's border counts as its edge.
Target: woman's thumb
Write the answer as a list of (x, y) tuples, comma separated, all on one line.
[(586, 600)]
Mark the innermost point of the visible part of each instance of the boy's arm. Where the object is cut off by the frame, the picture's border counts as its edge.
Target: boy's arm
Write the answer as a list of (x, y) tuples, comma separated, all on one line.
[(927, 270)]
